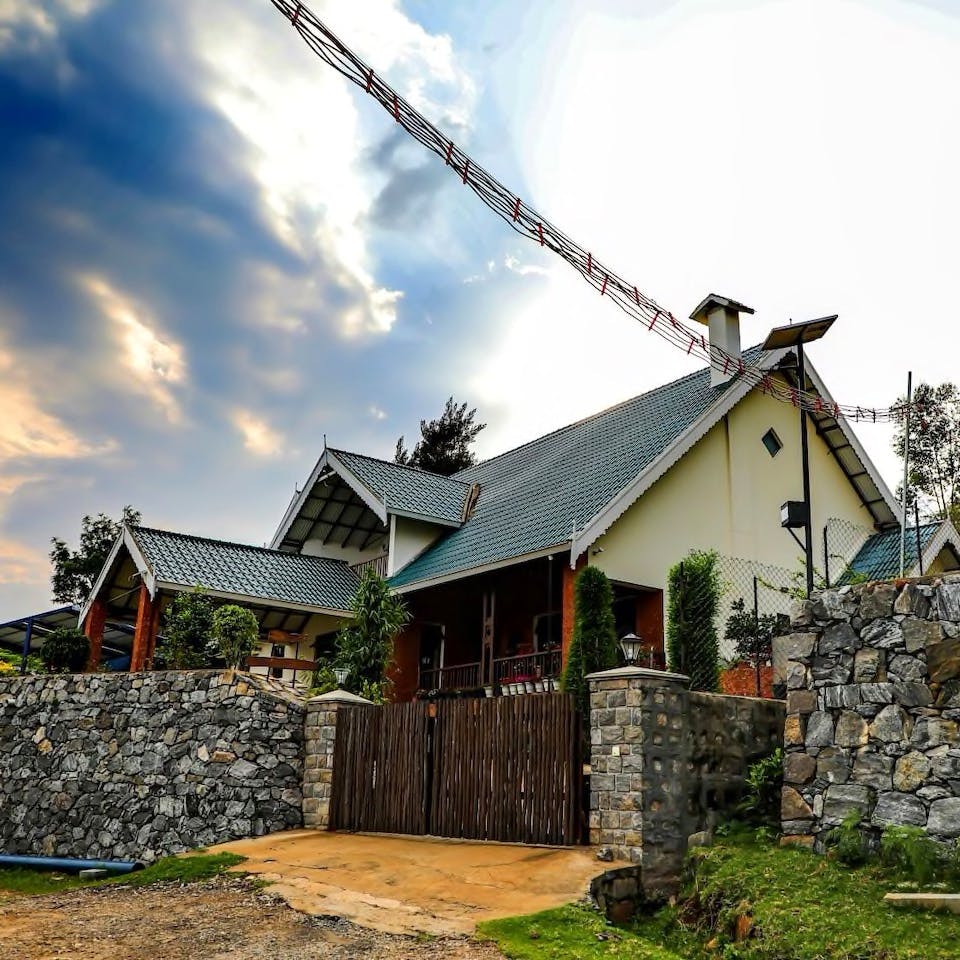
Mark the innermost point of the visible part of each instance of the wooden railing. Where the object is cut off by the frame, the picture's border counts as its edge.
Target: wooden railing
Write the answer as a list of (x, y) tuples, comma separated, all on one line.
[(459, 677), (379, 565), (528, 666)]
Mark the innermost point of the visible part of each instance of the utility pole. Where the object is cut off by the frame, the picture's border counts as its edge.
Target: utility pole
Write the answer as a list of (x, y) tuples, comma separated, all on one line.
[(903, 492)]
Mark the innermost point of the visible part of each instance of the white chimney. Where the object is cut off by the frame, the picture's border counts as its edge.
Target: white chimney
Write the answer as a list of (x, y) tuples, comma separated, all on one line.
[(722, 317)]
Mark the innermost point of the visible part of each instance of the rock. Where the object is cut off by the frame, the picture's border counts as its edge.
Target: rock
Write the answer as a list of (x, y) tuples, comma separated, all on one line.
[(911, 770), (605, 855), (797, 840), (820, 729), (794, 646), (829, 605), (873, 769), (799, 768), (882, 634), (892, 724), (909, 694), (841, 799), (919, 634), (912, 601), (851, 730), (876, 692), (933, 732), (793, 731), (948, 601), (796, 676), (903, 667), (838, 638), (943, 660), (801, 701), (944, 820), (801, 613), (876, 600), (833, 765), (701, 839), (793, 806), (901, 809), (833, 669), (868, 665), (933, 792)]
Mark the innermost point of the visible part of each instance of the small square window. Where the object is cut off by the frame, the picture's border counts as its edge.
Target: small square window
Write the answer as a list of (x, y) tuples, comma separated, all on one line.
[(772, 442)]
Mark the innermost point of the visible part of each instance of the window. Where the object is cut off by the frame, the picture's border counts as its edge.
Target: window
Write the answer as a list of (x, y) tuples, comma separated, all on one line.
[(277, 650), (772, 442)]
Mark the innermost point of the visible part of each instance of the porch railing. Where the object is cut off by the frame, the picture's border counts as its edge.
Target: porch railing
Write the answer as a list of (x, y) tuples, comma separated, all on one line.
[(379, 565), (459, 677), (528, 666)]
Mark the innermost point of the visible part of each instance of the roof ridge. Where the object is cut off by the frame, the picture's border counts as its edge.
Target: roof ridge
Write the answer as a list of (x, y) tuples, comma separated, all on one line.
[(235, 543), (604, 412), (400, 466)]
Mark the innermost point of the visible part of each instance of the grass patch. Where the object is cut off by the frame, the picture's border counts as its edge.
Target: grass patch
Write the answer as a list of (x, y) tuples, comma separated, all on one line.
[(573, 932), (191, 869)]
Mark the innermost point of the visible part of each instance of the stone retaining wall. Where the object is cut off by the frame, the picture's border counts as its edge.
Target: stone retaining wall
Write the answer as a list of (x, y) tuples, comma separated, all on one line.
[(137, 765), (873, 703)]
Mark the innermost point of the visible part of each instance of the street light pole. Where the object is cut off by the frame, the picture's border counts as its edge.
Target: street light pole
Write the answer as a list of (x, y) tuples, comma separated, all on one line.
[(805, 467)]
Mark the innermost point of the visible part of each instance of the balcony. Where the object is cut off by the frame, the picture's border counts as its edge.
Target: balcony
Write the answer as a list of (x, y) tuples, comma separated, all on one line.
[(525, 673), (379, 565)]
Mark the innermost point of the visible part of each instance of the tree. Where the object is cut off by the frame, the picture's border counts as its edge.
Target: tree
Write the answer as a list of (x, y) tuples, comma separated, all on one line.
[(365, 644), (692, 643), (65, 650), (75, 571), (594, 643), (934, 469), (187, 641), (751, 635), (444, 446), (235, 632)]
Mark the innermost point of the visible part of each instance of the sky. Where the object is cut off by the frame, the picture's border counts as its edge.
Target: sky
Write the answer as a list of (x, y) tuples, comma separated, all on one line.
[(215, 252)]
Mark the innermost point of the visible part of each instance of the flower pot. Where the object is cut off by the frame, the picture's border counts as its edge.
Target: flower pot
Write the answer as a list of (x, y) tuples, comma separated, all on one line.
[(488, 691)]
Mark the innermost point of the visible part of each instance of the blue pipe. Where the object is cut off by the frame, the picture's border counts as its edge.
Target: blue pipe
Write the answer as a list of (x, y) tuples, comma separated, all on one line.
[(68, 864)]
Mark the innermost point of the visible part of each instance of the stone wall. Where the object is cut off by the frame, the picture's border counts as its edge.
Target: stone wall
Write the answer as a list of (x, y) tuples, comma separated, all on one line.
[(666, 762), (136, 765), (873, 702)]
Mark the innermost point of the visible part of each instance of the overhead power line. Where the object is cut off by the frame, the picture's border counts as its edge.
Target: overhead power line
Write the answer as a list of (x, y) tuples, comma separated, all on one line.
[(529, 223)]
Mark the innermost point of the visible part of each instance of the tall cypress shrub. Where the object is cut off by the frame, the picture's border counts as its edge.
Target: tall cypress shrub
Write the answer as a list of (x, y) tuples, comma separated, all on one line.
[(594, 644), (694, 596)]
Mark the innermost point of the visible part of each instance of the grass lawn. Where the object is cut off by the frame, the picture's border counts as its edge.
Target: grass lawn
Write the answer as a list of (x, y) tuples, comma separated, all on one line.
[(190, 869), (796, 905)]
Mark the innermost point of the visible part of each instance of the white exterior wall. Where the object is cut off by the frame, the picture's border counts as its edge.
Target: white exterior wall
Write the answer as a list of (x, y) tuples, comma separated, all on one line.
[(408, 539), (351, 555)]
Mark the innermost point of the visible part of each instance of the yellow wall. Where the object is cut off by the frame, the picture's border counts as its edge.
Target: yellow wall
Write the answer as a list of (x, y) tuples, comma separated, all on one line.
[(725, 494)]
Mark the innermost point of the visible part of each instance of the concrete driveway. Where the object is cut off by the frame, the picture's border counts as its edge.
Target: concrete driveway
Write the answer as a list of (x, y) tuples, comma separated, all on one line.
[(416, 884)]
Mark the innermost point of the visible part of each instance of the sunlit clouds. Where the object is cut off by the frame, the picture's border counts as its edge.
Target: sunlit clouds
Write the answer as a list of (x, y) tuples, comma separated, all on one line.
[(258, 436)]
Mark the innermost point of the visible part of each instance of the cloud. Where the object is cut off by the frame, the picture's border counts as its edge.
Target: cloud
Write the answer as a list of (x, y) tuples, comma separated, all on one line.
[(20, 563), (376, 412), (514, 265), (30, 21), (258, 436), (155, 364)]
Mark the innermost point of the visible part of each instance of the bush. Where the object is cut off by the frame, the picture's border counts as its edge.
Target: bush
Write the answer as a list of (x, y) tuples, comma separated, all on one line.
[(761, 802), (913, 853), (692, 643), (65, 650), (236, 633), (187, 641), (850, 845), (594, 644), (752, 636)]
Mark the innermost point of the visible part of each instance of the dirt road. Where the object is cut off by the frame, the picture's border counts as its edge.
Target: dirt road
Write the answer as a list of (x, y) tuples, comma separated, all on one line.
[(230, 918)]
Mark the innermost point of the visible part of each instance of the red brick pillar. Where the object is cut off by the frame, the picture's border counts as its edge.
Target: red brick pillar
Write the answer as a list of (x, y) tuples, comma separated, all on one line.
[(569, 575), (93, 629), (145, 632)]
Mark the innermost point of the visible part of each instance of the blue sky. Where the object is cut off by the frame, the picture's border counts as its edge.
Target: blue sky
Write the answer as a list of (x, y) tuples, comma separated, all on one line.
[(213, 251)]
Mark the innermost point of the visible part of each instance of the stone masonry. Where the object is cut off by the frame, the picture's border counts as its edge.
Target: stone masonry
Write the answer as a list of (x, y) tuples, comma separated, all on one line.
[(873, 705), (138, 765)]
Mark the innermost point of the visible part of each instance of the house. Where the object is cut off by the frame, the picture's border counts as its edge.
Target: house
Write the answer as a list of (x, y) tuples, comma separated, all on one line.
[(486, 559)]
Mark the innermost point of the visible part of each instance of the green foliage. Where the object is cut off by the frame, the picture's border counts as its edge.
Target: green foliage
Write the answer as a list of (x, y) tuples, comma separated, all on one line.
[(187, 640), (445, 444), (913, 853), (594, 643), (761, 802), (235, 633), (751, 635), (934, 468), (848, 841), (365, 644), (693, 597), (12, 661), (75, 571), (65, 650), (323, 679)]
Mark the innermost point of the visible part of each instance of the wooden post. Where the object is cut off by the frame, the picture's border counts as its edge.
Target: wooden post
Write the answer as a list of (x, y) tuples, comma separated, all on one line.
[(568, 614), (144, 634), (93, 630)]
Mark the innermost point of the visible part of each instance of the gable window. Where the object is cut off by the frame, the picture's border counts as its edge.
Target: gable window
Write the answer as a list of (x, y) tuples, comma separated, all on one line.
[(772, 442)]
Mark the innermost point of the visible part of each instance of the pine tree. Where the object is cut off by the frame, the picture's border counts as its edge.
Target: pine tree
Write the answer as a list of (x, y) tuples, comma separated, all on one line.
[(444, 446)]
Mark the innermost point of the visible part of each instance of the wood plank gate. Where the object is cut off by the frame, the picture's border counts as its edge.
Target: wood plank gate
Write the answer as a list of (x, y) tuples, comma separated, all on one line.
[(504, 768)]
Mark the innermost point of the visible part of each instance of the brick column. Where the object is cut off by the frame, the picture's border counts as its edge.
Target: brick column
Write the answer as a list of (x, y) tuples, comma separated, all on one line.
[(93, 629), (320, 735), (143, 636), (640, 770)]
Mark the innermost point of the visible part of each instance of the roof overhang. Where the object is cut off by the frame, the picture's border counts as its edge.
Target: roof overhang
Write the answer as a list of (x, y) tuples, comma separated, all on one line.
[(128, 541), (946, 536)]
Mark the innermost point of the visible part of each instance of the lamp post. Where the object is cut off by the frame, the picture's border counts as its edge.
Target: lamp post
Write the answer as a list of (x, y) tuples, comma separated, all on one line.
[(341, 674), (796, 335), (630, 647)]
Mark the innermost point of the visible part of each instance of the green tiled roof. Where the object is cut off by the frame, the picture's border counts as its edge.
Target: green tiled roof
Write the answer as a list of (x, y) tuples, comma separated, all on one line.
[(879, 557), (255, 572), (531, 498), (408, 489)]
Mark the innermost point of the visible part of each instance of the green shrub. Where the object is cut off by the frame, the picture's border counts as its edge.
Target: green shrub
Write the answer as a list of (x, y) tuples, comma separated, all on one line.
[(694, 595), (594, 644), (848, 842), (913, 853), (761, 802), (236, 633), (187, 641), (323, 679), (65, 650)]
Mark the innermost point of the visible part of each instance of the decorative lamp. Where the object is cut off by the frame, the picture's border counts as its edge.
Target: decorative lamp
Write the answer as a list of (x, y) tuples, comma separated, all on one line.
[(631, 646), (341, 673)]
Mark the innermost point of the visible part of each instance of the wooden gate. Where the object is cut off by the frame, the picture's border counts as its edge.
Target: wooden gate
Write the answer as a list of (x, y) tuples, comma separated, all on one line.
[(505, 768)]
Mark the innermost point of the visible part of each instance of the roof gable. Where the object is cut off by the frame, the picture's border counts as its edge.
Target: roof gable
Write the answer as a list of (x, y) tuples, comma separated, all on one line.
[(879, 557)]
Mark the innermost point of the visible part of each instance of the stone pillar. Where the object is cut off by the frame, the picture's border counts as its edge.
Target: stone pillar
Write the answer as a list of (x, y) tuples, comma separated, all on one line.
[(93, 629), (146, 622), (640, 770), (320, 735)]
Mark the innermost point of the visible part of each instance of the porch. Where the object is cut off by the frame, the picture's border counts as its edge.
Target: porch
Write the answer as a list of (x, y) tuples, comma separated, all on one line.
[(507, 631)]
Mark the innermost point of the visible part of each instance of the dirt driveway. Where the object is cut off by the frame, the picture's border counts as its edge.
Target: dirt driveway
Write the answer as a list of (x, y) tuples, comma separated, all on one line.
[(416, 884), (230, 918)]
